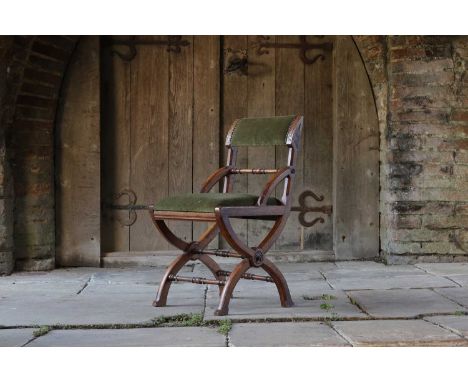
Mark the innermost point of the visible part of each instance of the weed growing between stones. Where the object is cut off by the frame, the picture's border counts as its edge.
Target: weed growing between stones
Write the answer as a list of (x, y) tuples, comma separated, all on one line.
[(42, 331), (224, 327), (194, 319), (325, 297)]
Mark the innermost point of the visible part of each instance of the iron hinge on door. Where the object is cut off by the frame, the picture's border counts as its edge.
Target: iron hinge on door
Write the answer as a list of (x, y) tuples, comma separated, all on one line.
[(173, 44), (304, 209), (131, 207)]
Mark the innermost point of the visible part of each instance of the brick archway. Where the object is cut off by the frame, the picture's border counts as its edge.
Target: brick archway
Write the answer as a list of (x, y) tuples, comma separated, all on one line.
[(35, 69), (37, 65)]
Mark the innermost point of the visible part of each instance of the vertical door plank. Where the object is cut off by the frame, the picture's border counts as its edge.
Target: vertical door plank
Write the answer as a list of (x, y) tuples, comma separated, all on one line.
[(261, 103), (78, 160), (356, 183), (289, 101), (149, 139), (206, 128), (116, 125), (235, 106), (318, 143), (181, 128)]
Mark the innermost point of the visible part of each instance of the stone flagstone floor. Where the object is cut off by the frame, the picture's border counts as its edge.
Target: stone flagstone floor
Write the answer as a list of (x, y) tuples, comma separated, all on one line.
[(336, 304)]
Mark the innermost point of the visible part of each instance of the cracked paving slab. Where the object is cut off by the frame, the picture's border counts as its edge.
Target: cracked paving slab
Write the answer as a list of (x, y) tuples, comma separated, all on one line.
[(261, 303), (445, 269), (389, 281), (384, 277), (397, 333), (180, 336), (15, 337), (461, 280), (285, 334), (99, 304), (403, 303), (458, 324), (459, 295)]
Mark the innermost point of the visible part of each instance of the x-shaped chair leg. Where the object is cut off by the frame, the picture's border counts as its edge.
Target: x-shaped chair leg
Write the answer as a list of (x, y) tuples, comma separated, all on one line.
[(190, 253)]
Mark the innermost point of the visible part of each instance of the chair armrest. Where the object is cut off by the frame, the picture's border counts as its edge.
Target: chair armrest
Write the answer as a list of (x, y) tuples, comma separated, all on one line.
[(277, 178), (215, 177)]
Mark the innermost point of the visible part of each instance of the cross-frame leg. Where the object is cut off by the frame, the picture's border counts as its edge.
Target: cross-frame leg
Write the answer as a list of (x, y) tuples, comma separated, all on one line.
[(251, 257), (190, 250), (254, 257)]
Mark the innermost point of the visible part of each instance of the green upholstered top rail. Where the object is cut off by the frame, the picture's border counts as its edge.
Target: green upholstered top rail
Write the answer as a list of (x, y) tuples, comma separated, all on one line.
[(269, 131)]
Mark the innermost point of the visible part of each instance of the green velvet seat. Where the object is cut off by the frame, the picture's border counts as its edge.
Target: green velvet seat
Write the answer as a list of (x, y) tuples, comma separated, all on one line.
[(207, 202)]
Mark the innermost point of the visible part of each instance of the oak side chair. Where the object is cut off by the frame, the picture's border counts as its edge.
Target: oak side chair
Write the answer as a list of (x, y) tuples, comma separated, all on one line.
[(219, 207)]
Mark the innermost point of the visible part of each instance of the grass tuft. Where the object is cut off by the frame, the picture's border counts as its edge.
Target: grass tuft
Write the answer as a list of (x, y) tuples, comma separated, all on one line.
[(194, 319), (326, 306), (224, 327), (325, 297), (42, 331)]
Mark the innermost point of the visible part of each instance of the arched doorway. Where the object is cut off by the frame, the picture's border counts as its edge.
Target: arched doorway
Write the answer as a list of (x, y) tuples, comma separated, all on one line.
[(155, 103)]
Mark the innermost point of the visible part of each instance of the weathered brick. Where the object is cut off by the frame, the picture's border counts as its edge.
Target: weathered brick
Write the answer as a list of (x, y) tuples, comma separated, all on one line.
[(426, 115), (438, 222), (35, 113), (423, 207), (459, 115), (61, 42), (51, 66), (459, 144), (39, 90), (407, 222), (442, 247), (423, 79), (405, 142), (398, 156), (461, 208), (404, 247), (27, 100), (50, 51), (460, 157), (423, 67), (420, 235), (43, 77), (433, 130)]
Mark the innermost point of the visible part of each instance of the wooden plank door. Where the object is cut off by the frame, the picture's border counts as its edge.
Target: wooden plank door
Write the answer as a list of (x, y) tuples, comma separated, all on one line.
[(158, 106), (278, 82)]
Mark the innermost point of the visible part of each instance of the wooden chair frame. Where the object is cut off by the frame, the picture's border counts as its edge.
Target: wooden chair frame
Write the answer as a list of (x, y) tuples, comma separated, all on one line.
[(220, 218)]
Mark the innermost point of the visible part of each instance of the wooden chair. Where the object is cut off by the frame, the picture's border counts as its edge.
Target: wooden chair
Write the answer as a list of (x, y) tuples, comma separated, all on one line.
[(218, 208)]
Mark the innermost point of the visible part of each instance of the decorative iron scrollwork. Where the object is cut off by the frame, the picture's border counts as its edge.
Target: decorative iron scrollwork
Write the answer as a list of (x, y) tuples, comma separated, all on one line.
[(304, 47), (131, 207), (303, 208), (173, 43)]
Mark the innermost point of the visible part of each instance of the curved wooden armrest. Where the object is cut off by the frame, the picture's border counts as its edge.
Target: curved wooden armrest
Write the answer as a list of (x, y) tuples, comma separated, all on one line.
[(215, 177), (277, 178)]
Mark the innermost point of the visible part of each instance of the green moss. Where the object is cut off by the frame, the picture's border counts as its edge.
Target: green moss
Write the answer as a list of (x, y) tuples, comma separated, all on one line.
[(195, 319), (42, 331), (325, 297), (224, 327), (326, 306)]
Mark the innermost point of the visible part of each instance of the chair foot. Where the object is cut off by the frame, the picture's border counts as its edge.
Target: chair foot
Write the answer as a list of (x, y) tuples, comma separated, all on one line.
[(289, 303), (221, 312), (158, 303)]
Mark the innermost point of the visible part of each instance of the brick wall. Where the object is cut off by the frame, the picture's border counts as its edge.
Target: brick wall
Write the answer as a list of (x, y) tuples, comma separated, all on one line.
[(421, 91), (6, 195), (37, 66)]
